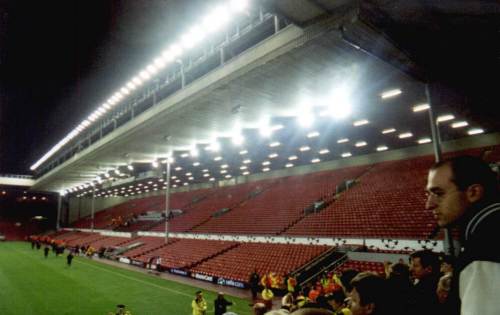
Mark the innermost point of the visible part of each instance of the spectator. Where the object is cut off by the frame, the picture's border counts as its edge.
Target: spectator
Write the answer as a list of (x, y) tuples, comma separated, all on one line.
[(424, 268), (463, 192), (199, 305), (369, 295), (46, 250), (267, 297), (443, 288), (398, 281), (120, 310), (69, 258), (259, 309), (446, 265), (345, 279), (221, 304), (254, 283), (337, 302)]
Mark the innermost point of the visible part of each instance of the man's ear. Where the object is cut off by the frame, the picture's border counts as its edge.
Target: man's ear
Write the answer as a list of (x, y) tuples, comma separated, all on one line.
[(370, 308), (474, 193)]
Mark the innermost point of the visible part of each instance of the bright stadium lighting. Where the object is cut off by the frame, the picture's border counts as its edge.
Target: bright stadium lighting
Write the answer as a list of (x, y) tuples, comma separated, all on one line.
[(339, 104), (243, 152), (444, 118), (206, 175), (293, 157), (266, 169), (205, 170), (243, 167), (360, 122), (224, 166), (246, 173), (420, 107), (238, 5), (360, 144), (287, 165), (144, 75), (178, 168), (475, 131), (266, 163), (313, 134), (324, 151), (346, 154), (388, 130), (217, 158), (304, 148), (390, 93), (247, 161), (382, 148), (228, 176), (274, 144), (212, 179), (216, 19), (424, 140), (316, 160), (405, 135), (238, 139), (196, 164), (459, 124), (343, 140), (273, 155)]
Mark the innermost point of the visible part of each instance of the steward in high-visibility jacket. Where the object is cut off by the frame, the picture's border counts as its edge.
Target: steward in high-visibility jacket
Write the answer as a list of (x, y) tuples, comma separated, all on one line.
[(199, 304)]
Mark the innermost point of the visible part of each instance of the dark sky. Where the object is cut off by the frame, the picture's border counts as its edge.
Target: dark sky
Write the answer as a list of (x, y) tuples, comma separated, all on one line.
[(59, 60)]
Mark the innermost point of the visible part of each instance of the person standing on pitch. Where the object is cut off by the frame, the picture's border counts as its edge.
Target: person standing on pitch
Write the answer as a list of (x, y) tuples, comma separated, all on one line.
[(69, 258)]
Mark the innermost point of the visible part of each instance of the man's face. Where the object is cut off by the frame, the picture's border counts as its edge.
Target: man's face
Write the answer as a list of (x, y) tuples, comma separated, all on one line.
[(417, 269), (444, 198), (355, 304)]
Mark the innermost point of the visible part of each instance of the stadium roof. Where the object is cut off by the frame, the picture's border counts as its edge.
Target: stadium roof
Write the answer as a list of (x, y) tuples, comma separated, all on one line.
[(334, 54)]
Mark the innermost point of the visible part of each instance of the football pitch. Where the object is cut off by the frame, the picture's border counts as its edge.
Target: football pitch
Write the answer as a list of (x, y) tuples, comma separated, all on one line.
[(33, 285)]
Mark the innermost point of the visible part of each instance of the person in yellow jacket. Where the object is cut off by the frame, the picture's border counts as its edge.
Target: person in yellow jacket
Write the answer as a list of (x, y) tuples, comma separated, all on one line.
[(199, 304), (267, 296)]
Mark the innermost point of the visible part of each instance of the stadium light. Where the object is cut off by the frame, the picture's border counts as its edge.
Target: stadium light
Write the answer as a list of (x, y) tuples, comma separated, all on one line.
[(360, 122), (273, 155), (346, 154), (424, 140), (475, 131), (324, 151), (444, 118), (382, 148), (360, 144), (247, 161), (459, 124), (287, 165), (388, 130), (390, 93), (293, 157), (405, 135), (313, 134), (420, 107), (316, 160), (304, 148), (343, 140), (246, 173)]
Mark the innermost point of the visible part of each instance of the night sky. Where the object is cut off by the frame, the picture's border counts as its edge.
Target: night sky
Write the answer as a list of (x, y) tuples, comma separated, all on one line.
[(59, 60)]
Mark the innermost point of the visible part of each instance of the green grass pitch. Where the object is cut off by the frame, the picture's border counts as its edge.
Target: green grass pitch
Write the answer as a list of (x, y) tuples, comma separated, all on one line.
[(33, 285)]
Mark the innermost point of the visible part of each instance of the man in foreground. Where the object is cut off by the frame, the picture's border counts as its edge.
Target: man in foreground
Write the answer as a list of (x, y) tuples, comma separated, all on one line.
[(463, 192)]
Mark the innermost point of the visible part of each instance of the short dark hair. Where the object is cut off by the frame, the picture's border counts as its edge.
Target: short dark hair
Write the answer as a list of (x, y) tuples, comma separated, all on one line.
[(337, 296), (468, 170), (346, 277), (372, 289), (428, 258)]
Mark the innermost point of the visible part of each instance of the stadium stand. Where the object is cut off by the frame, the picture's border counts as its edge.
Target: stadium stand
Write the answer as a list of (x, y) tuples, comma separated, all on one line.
[(239, 262), (284, 203)]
